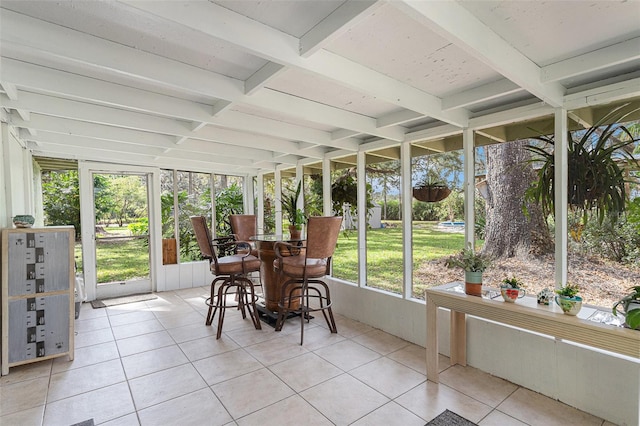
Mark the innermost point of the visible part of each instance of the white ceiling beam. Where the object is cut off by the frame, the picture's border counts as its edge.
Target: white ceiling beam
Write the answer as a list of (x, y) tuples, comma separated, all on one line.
[(60, 83), (90, 154), (276, 46), (261, 78), (63, 45), (237, 119), (398, 118), (483, 93), (456, 24), (278, 101), (523, 113), (599, 95), (10, 89), (104, 55), (104, 133), (616, 54), (55, 106), (337, 23)]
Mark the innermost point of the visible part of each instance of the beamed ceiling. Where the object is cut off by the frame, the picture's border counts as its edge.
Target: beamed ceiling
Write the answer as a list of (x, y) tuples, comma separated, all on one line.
[(245, 87)]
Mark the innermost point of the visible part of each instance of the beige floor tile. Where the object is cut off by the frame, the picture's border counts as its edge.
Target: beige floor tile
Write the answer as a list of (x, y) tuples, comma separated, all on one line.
[(390, 414), (477, 384), (344, 399), (497, 418), (413, 356), (347, 355), (242, 395), (88, 355), (225, 366), (101, 405), (197, 408), (128, 420), (84, 379), (30, 417), (388, 377), (129, 330), (206, 347), (276, 350), (305, 371), (315, 337), (191, 332), (350, 328), (381, 342), (23, 395), (87, 312), (164, 385), (248, 335), (30, 371), (95, 337), (131, 318), (283, 412), (151, 361), (536, 409), (181, 319), (167, 310), (430, 399), (126, 308), (92, 324), (144, 342)]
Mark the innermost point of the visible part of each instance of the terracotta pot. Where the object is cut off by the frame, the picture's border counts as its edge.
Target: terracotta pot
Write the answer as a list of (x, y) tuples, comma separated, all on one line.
[(295, 233)]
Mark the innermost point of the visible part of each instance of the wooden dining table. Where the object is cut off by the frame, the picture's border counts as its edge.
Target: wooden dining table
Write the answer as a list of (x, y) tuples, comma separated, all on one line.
[(271, 282)]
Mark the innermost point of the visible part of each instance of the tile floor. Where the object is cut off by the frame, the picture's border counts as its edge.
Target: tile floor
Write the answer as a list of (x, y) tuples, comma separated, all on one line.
[(156, 363)]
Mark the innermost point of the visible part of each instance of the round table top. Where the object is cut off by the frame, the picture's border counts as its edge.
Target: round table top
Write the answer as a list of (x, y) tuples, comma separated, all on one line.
[(274, 238)]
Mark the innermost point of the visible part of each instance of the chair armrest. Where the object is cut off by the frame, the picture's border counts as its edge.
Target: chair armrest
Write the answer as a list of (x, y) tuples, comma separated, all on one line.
[(283, 249)]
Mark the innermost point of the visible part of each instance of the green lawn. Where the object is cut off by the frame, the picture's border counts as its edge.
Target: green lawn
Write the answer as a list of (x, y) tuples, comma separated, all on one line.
[(384, 254), (120, 260)]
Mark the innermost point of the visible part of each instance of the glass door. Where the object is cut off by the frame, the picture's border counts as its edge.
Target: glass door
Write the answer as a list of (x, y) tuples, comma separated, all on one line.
[(121, 220)]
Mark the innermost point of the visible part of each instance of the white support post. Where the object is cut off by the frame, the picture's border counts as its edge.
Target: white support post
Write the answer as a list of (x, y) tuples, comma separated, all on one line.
[(260, 210), (277, 176), (212, 191), (468, 146), (561, 195), (249, 195), (300, 178), (326, 187), (407, 220), (362, 219)]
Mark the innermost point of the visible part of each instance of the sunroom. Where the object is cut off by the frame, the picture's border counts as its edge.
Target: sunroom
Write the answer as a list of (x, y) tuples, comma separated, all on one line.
[(243, 99)]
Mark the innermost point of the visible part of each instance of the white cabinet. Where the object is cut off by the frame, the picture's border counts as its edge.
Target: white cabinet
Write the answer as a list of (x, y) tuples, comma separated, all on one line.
[(37, 294)]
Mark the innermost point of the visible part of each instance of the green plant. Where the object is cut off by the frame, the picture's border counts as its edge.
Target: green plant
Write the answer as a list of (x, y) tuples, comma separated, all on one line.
[(513, 282), (596, 180), (469, 260), (569, 290), (632, 317), (290, 208)]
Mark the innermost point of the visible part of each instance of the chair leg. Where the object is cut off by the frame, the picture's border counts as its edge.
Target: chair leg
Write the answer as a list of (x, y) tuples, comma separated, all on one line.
[(283, 310), (250, 301), (222, 304), (213, 307)]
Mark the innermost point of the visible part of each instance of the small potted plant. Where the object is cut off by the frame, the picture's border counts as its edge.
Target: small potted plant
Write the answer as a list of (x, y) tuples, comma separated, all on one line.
[(474, 264), (295, 215), (511, 289), (567, 298), (631, 308)]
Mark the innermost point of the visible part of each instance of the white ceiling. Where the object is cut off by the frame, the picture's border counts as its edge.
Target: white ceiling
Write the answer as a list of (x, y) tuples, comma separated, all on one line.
[(243, 87)]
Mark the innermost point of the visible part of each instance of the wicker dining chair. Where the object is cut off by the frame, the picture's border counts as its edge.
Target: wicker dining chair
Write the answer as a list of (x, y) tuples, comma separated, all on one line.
[(235, 290), (303, 291)]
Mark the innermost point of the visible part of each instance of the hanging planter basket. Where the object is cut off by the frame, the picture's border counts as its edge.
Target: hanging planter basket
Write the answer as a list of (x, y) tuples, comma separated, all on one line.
[(431, 194)]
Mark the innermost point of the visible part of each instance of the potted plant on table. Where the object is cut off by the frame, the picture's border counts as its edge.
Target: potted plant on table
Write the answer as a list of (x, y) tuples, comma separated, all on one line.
[(567, 298), (512, 289), (631, 308), (295, 215), (474, 264)]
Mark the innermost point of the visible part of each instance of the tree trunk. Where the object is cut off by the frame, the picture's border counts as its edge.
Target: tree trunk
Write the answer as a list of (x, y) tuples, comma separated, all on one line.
[(508, 231)]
